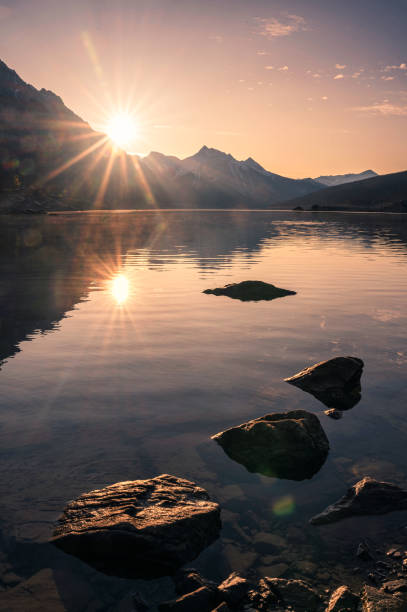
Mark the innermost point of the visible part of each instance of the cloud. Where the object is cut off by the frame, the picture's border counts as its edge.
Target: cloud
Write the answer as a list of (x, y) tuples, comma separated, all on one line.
[(387, 78), (399, 67), (262, 53), (283, 68), (339, 76), (324, 98), (316, 75), (384, 108), (356, 75), (274, 28), (269, 67), (340, 66)]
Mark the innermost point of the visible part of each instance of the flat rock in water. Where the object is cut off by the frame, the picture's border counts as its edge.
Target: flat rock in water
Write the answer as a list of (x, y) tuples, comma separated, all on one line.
[(289, 445), (139, 528), (368, 496), (336, 382), (247, 291)]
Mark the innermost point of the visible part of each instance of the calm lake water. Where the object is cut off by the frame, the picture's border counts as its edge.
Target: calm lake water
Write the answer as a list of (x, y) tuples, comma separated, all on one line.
[(115, 366)]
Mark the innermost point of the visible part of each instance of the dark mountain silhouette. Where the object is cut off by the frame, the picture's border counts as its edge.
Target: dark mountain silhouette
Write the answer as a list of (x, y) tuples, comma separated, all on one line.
[(51, 159), (386, 193), (340, 179)]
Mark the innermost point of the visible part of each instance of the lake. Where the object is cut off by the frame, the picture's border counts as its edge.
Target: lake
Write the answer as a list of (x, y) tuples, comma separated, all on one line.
[(115, 366)]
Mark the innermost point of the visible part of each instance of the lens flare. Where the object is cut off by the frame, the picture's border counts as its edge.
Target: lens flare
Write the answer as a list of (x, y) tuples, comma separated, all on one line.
[(284, 506), (120, 288)]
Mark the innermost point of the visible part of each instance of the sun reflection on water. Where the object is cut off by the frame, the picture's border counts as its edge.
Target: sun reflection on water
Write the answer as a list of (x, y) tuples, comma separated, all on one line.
[(120, 288)]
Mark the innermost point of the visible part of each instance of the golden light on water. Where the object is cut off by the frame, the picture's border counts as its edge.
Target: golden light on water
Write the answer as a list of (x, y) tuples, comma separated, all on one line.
[(122, 129), (120, 288)]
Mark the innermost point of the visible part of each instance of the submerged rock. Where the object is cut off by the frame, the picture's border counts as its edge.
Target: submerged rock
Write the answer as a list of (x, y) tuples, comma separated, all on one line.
[(247, 291), (368, 496), (289, 445), (336, 382), (140, 528)]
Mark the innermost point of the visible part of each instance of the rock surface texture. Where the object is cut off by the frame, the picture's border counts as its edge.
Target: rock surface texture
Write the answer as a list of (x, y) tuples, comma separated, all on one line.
[(336, 382), (374, 600), (140, 528), (243, 595), (289, 445), (368, 496), (343, 600), (247, 291)]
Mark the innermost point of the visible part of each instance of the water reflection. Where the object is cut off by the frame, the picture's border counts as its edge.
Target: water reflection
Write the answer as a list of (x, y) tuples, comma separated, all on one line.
[(94, 398)]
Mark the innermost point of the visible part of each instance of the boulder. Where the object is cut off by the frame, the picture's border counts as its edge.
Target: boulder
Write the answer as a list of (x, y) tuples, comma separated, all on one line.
[(289, 445), (368, 496), (336, 382), (374, 600), (139, 528), (251, 291), (343, 600)]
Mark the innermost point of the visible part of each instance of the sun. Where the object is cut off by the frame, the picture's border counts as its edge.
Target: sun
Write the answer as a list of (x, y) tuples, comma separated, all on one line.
[(122, 129)]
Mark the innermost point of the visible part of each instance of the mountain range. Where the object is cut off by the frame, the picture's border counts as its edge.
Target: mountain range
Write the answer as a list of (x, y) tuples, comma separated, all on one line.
[(51, 159), (339, 179)]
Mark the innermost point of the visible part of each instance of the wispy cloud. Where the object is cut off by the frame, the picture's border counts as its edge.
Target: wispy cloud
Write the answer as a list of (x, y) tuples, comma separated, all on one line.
[(263, 53), (275, 28), (269, 67), (218, 39), (387, 78), (394, 67), (340, 66), (324, 98), (339, 76), (356, 75), (283, 68), (384, 108)]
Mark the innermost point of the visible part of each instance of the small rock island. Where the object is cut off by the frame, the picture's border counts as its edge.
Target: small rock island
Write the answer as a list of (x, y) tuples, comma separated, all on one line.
[(251, 291)]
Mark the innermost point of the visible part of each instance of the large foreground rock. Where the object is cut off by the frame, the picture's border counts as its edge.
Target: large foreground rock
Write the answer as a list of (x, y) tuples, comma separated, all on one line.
[(247, 291), (289, 445), (139, 528), (336, 382), (368, 496)]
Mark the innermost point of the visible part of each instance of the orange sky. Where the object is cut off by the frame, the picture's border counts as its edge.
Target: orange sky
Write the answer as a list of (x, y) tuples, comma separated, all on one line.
[(305, 88)]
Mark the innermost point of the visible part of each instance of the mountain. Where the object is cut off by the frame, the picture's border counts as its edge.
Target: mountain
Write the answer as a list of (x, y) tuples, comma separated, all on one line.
[(340, 179), (386, 193), (51, 159)]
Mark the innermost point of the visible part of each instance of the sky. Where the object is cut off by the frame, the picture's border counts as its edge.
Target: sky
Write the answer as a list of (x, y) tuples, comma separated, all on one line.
[(305, 87)]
